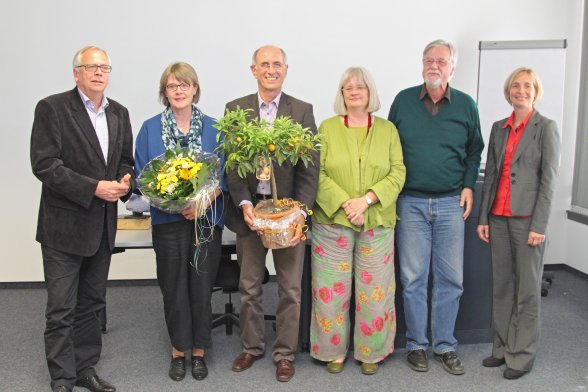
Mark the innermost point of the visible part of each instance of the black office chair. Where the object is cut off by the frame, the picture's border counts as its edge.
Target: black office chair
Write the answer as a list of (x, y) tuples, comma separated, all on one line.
[(227, 281)]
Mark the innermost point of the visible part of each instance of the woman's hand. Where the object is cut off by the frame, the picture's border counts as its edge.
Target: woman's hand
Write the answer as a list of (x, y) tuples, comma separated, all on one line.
[(484, 233), (359, 221), (189, 212), (535, 239), (355, 208)]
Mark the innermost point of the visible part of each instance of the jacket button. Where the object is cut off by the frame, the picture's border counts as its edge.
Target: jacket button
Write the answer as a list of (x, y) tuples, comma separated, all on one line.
[(513, 174), (513, 181)]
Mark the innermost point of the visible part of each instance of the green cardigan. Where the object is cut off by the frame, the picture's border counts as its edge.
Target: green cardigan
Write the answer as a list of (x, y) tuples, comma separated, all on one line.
[(344, 176), (442, 153)]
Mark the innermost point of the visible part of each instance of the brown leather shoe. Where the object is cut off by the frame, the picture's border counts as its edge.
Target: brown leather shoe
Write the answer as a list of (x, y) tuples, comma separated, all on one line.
[(243, 362), (284, 370)]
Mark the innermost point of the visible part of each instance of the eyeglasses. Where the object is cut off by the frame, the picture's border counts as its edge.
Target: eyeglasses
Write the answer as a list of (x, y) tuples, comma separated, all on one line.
[(93, 67), (350, 89), (440, 62), (266, 66), (173, 87)]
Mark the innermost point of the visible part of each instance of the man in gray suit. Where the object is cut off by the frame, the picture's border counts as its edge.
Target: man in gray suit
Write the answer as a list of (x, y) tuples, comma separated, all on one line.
[(82, 152), (298, 182)]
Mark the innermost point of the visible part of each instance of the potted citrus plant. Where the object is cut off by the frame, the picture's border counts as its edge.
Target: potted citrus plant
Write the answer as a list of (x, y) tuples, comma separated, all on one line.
[(254, 146)]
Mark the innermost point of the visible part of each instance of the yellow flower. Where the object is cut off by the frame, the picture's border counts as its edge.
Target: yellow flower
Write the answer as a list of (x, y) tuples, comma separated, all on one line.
[(363, 298), (365, 250), (185, 174), (326, 325), (377, 294), (344, 266), (365, 350), (339, 319)]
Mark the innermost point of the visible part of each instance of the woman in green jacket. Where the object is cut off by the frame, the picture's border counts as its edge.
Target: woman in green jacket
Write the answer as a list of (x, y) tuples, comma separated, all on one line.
[(361, 175)]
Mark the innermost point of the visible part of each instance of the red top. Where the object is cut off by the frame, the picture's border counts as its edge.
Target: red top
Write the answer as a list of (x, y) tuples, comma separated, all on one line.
[(501, 205)]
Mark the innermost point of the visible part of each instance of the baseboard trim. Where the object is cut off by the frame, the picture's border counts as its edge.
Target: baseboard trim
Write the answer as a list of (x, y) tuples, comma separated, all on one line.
[(567, 268)]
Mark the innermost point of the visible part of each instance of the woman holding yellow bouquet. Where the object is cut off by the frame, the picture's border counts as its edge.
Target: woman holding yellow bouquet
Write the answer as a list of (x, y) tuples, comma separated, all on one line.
[(185, 283)]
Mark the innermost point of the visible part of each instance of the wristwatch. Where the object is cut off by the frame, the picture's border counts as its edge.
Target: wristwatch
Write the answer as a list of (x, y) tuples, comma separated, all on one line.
[(369, 200)]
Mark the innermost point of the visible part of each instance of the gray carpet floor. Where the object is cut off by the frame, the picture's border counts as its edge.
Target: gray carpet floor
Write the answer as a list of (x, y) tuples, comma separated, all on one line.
[(136, 349)]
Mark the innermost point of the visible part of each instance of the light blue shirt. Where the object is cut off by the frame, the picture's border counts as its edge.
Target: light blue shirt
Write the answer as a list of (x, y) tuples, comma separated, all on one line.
[(98, 121)]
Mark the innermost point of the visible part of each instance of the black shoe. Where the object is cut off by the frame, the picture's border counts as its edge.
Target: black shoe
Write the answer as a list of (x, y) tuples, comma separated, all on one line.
[(177, 368), (417, 360), (513, 374), (199, 369), (61, 388), (451, 362), (493, 362), (94, 384)]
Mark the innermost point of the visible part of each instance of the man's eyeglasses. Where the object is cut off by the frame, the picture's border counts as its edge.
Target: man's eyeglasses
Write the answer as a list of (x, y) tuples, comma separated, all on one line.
[(275, 65), (173, 87), (93, 67), (440, 62)]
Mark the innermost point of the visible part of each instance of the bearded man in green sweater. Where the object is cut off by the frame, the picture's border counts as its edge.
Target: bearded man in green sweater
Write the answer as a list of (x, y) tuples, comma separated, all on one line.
[(439, 130)]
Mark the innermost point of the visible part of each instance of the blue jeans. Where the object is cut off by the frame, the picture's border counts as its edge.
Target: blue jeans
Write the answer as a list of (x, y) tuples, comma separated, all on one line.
[(430, 232)]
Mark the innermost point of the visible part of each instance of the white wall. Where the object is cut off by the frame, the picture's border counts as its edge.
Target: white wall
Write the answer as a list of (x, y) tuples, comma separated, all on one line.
[(38, 40)]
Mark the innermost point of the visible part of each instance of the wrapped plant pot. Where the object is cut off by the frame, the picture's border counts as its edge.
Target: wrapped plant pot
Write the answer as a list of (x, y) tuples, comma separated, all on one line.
[(277, 224)]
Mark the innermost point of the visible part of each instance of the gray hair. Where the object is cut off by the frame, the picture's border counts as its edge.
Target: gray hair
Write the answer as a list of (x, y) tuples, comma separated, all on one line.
[(254, 57), (77, 60), (363, 75), (448, 45)]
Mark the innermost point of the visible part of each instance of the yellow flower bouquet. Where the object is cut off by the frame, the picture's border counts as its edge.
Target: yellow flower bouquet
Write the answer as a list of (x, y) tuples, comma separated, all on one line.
[(174, 180)]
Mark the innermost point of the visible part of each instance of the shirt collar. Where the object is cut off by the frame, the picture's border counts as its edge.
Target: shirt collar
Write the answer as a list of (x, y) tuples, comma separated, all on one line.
[(275, 101), (424, 93), (89, 104), (510, 121)]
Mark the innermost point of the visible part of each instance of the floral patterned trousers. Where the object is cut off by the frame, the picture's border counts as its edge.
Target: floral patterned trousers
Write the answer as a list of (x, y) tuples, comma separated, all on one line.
[(338, 254)]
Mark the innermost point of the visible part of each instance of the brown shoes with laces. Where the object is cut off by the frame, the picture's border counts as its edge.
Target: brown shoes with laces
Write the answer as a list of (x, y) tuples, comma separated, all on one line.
[(284, 370), (243, 362)]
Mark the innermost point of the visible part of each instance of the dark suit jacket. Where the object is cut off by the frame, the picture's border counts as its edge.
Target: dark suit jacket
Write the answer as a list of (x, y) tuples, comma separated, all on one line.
[(533, 170), (66, 157), (296, 182)]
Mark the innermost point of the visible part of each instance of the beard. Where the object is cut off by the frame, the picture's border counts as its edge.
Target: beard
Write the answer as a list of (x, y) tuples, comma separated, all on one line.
[(433, 84)]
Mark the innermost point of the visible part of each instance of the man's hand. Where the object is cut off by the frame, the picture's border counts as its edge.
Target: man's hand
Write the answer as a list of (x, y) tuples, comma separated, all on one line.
[(483, 233), (467, 200), (297, 234), (248, 215), (535, 239), (113, 190)]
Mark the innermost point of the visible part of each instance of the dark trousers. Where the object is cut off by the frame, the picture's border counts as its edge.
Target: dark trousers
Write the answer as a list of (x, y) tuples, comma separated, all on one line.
[(187, 286), (76, 290)]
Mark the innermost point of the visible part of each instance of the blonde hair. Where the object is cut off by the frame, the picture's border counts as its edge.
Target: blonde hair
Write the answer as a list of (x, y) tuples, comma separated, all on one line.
[(536, 83), (184, 72), (362, 75)]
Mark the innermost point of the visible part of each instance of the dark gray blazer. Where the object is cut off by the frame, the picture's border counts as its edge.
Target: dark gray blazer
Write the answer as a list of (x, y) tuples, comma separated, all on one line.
[(533, 170), (296, 182), (66, 157)]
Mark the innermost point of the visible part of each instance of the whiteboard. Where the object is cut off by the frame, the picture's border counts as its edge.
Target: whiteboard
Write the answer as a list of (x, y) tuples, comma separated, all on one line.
[(499, 58)]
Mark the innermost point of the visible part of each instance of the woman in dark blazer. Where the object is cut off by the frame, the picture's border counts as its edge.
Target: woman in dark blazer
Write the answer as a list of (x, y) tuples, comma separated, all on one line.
[(521, 168), (186, 291)]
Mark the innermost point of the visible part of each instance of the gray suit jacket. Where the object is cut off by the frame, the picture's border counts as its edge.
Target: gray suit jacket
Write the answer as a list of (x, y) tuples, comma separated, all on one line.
[(66, 157), (296, 182), (532, 174)]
